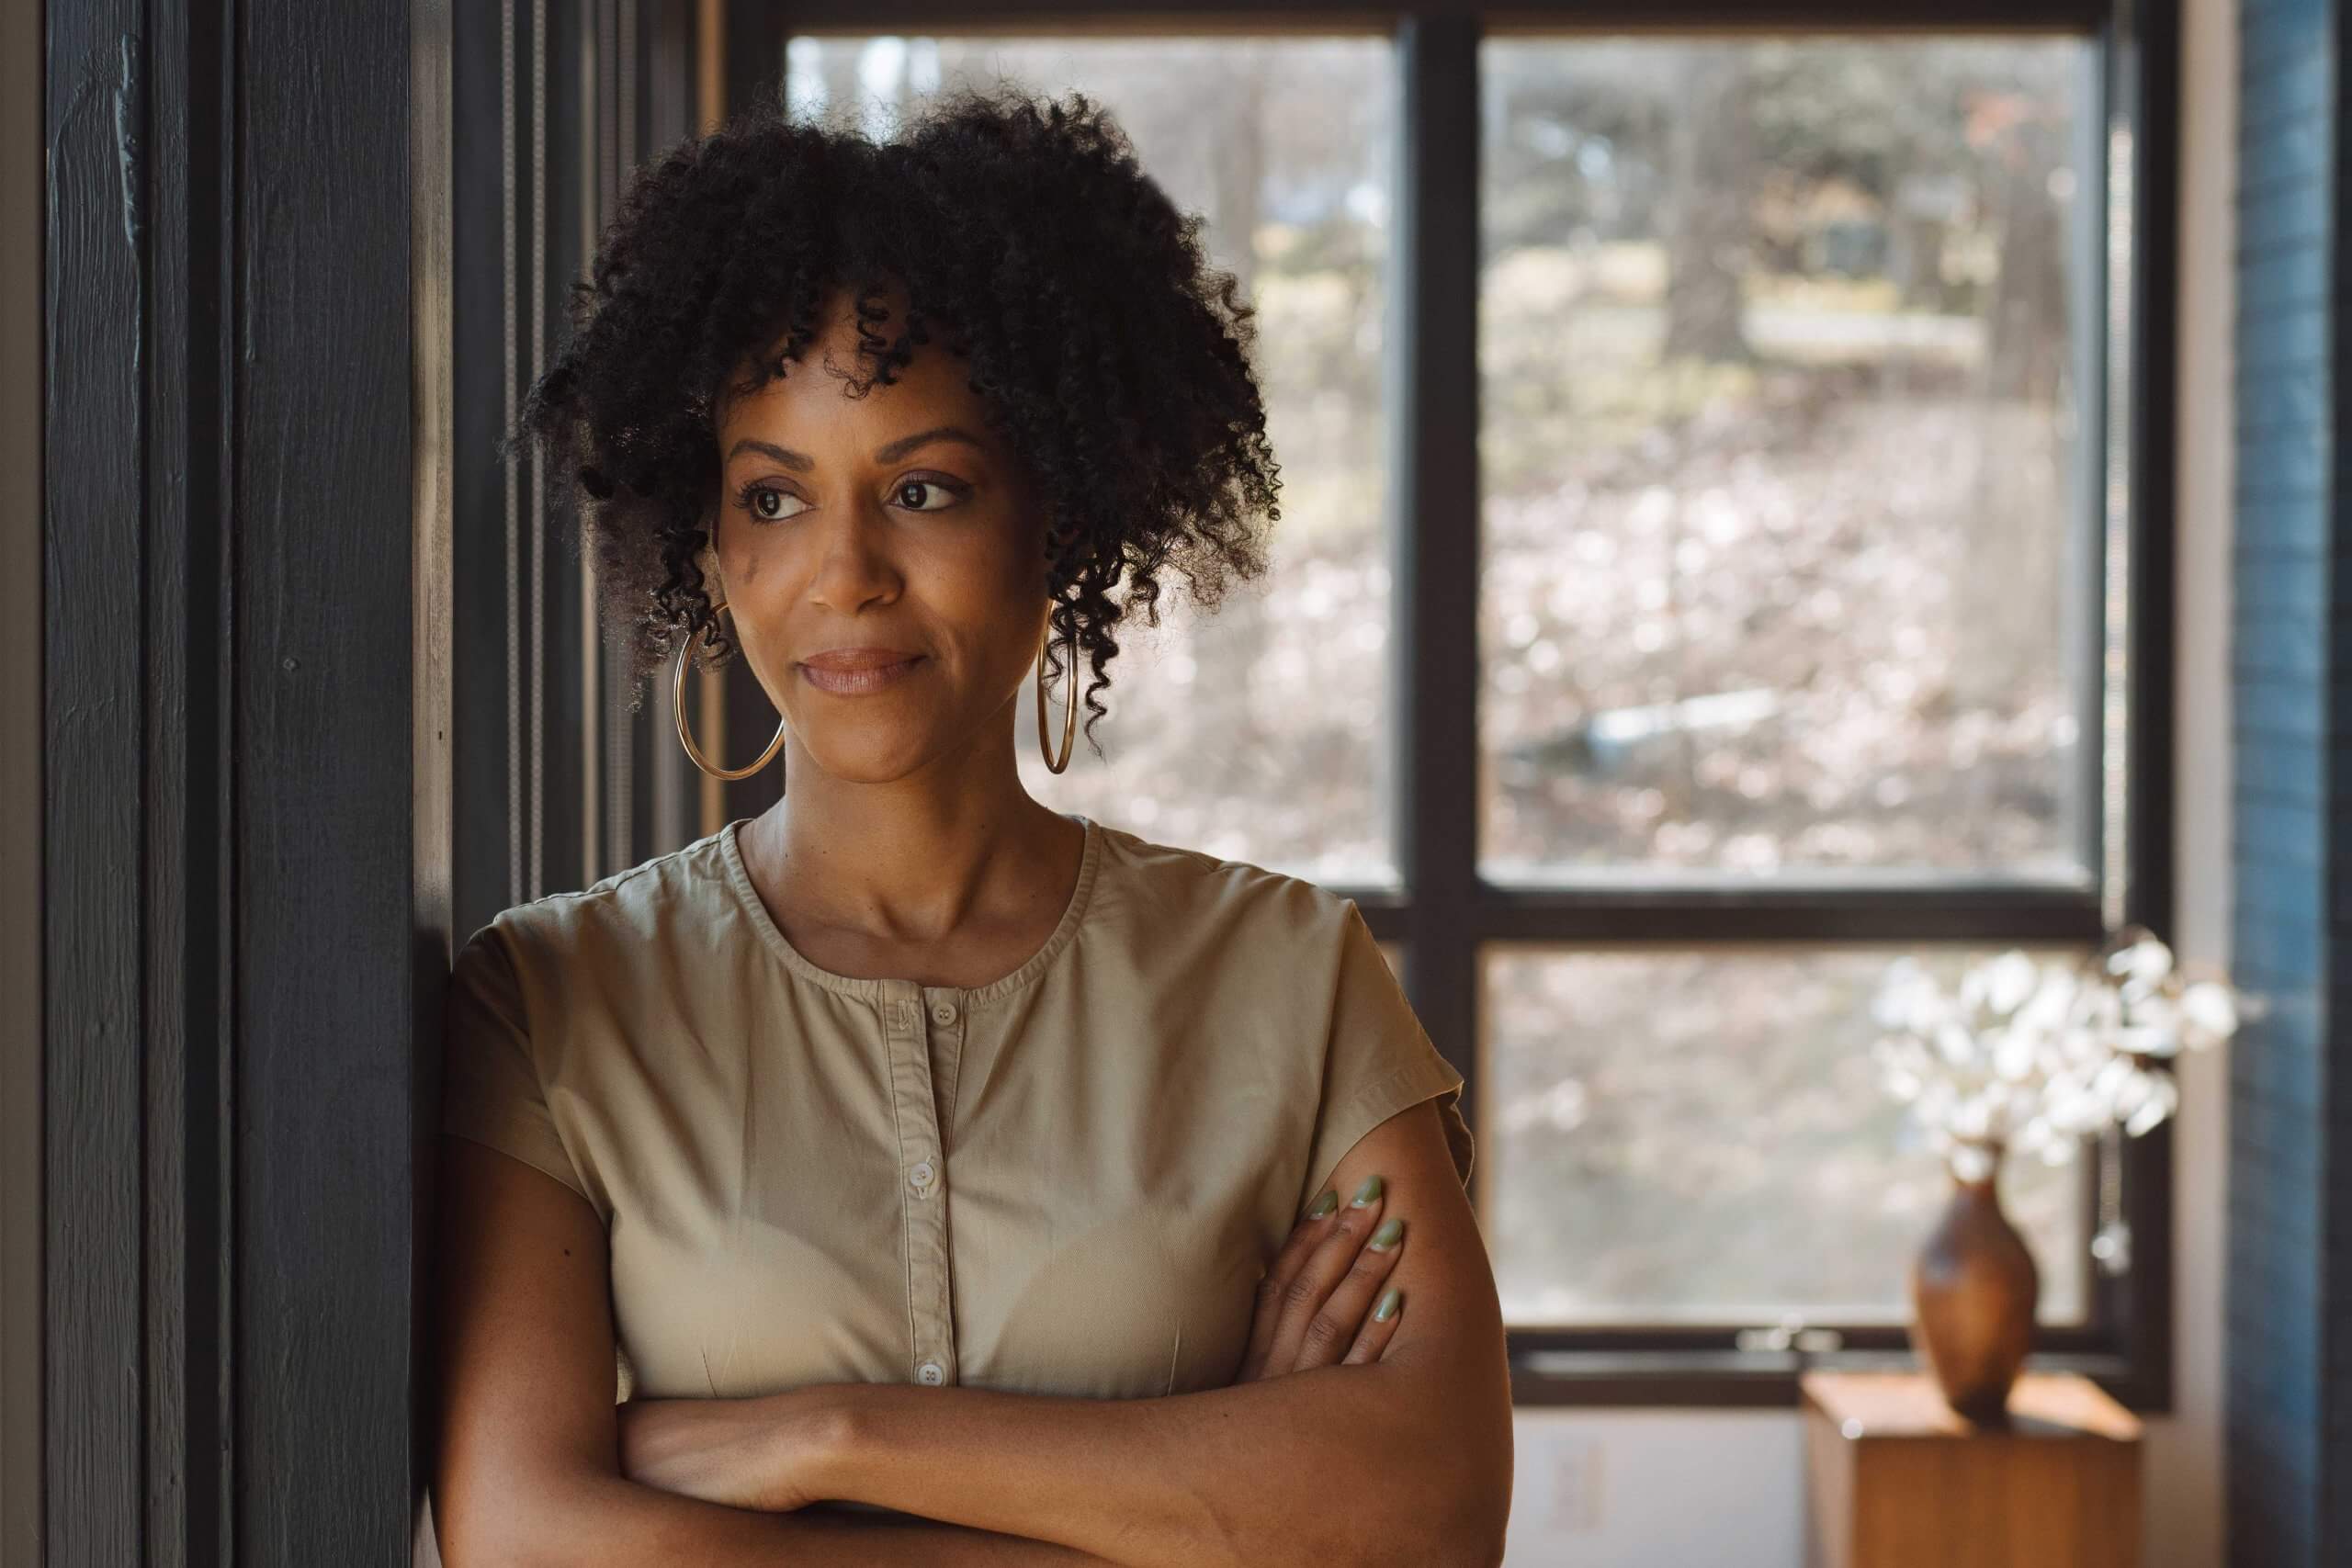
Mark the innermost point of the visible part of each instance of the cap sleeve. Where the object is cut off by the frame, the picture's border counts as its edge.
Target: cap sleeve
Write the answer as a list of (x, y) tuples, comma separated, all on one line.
[(1378, 1062), (490, 1091)]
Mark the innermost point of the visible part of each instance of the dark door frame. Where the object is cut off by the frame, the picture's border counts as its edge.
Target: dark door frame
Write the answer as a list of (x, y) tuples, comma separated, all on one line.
[(245, 752)]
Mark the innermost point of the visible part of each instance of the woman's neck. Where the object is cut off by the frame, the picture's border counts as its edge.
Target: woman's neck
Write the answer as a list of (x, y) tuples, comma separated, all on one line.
[(879, 875)]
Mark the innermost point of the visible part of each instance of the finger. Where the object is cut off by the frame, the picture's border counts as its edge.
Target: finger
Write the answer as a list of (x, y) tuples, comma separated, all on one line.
[(1377, 1331), (1333, 1255), (1329, 1332), (1303, 1235)]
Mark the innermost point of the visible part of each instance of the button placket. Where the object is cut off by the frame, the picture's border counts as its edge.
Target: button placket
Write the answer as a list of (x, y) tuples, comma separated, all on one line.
[(922, 1198), (947, 1024)]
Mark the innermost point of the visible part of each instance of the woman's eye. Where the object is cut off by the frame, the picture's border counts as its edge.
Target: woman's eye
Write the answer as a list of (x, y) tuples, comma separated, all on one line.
[(916, 488), (765, 503)]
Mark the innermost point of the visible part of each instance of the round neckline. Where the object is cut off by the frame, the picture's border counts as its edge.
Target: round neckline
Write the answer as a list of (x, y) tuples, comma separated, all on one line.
[(755, 910)]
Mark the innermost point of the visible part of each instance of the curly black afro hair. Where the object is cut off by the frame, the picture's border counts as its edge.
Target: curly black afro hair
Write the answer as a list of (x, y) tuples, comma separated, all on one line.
[(1113, 361)]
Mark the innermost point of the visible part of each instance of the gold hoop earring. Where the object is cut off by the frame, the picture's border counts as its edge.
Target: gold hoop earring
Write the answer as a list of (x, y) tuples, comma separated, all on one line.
[(686, 735), (1069, 705)]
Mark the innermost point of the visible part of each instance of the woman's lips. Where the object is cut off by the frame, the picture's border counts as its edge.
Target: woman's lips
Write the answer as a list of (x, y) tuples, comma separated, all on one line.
[(855, 680)]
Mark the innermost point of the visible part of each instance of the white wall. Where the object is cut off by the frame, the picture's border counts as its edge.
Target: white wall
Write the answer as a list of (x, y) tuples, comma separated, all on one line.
[(1627, 1489), (2185, 1509)]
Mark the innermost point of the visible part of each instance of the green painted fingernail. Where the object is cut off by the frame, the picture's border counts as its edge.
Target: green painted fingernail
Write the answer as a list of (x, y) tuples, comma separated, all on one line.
[(1385, 1308), (1385, 1237), (1325, 1204), (1367, 1192)]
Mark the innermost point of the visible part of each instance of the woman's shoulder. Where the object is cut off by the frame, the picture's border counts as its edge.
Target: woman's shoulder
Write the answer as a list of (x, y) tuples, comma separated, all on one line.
[(624, 913), (1159, 882)]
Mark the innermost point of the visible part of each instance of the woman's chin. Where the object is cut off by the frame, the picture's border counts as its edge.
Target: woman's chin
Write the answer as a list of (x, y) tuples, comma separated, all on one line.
[(869, 759)]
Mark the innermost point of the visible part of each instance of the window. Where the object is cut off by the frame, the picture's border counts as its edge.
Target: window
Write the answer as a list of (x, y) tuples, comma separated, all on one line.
[(1788, 569), (1782, 359), (1723, 548), (1685, 1136)]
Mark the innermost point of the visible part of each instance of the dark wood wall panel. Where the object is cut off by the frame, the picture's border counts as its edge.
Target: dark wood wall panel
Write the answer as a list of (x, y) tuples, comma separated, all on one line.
[(230, 840), (322, 652), (96, 657)]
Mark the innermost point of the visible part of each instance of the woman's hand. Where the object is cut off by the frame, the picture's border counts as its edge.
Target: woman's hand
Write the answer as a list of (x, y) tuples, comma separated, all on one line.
[(1321, 1303), (764, 1453)]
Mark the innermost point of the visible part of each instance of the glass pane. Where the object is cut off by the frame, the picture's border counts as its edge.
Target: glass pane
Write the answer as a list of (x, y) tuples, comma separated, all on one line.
[(1788, 501), (1255, 733), (1680, 1137)]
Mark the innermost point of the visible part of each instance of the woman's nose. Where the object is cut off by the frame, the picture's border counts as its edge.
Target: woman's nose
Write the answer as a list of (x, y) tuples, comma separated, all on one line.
[(856, 568)]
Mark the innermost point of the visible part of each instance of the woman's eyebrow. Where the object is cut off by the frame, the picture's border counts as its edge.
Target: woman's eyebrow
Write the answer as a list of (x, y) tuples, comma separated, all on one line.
[(891, 453)]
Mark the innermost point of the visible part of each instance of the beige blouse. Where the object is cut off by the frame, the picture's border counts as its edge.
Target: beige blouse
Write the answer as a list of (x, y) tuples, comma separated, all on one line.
[(1067, 1181)]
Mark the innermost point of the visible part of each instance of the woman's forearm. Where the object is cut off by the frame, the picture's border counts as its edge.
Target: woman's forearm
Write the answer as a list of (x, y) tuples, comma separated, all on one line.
[(608, 1522), (1319, 1467)]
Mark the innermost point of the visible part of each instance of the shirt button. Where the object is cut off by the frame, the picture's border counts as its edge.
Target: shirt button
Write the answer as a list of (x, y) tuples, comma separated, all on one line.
[(922, 1176), (933, 1373), (943, 1012)]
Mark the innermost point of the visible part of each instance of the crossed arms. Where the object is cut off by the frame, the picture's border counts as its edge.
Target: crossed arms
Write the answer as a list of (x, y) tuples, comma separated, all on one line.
[(1320, 1454)]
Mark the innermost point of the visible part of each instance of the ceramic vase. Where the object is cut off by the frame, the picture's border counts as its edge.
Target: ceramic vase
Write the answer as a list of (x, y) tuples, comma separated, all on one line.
[(1973, 1292)]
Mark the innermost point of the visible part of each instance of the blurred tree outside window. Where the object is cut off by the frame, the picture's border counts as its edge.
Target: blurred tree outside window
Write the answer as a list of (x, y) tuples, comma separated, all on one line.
[(1786, 564), (1787, 568)]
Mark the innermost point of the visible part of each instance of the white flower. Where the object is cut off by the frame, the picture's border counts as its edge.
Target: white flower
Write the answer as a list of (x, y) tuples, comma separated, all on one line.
[(2039, 1055), (2147, 1039), (2016, 1053), (2209, 1010), (2143, 964), (2010, 982), (2161, 1099), (1972, 1161)]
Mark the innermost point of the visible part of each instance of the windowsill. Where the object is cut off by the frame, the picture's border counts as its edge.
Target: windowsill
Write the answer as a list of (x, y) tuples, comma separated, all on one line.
[(1735, 1379)]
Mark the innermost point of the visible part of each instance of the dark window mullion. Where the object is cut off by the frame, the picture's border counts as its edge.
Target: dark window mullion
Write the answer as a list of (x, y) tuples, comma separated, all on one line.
[(2145, 74), (1434, 659), (1655, 915), (1671, 916), (1081, 16)]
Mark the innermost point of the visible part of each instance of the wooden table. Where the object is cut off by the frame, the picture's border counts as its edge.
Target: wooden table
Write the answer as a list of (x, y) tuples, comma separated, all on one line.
[(1898, 1481)]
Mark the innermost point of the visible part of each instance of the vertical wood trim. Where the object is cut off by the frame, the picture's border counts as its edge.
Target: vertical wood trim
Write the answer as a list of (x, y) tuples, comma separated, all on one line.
[(753, 60), (432, 883), (21, 130), (490, 818), (564, 684), (705, 690), (323, 856), (94, 705), (710, 63), (667, 117), (536, 525), (517, 820), (600, 850), (189, 361)]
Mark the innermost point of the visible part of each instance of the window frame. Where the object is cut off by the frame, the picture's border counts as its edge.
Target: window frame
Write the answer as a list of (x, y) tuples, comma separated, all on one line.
[(1443, 915)]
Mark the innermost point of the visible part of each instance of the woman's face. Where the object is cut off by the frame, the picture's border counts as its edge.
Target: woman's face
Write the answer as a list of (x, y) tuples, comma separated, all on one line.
[(882, 558)]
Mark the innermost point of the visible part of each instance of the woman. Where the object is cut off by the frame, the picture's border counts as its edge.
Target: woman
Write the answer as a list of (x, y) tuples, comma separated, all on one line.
[(952, 1180)]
